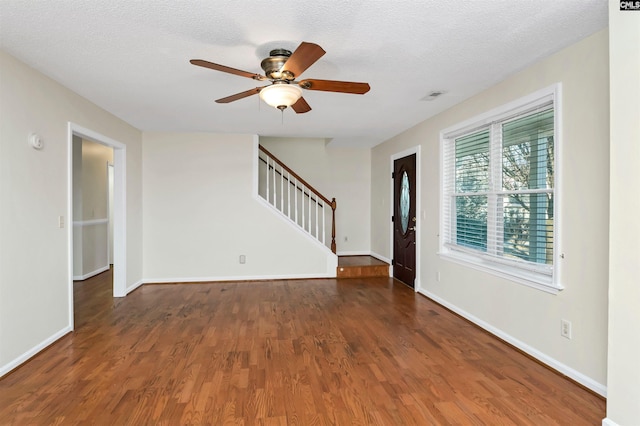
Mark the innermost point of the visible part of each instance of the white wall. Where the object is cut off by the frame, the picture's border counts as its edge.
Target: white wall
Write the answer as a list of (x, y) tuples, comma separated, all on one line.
[(623, 404), (95, 158), (527, 317), (35, 303), (201, 214), (343, 173), (90, 208)]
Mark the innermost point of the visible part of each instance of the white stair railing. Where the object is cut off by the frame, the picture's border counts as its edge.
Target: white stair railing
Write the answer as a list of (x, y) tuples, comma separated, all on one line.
[(295, 198)]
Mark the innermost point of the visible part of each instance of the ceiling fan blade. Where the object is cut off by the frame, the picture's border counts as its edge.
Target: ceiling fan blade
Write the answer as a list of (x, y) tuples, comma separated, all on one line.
[(335, 86), (302, 58), (223, 68), (301, 106), (240, 95)]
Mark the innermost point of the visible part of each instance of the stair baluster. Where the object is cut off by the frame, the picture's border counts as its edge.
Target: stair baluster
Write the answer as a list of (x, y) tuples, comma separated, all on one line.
[(312, 218)]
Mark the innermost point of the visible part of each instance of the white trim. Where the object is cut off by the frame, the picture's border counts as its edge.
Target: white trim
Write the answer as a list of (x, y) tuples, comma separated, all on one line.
[(332, 265), (510, 270), (135, 286), (90, 222), (381, 257), (33, 351), (119, 209), (558, 148), (586, 381), (503, 111), (276, 210), (119, 223), (70, 322), (332, 258), (178, 280), (91, 274), (287, 219), (354, 253), (521, 276), (110, 174), (409, 151), (608, 422)]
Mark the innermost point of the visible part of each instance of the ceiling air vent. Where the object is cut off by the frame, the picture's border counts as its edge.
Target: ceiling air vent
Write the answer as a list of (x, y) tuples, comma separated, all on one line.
[(433, 94)]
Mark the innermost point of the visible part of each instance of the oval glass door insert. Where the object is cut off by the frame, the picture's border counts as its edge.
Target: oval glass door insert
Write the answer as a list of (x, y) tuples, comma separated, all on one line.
[(405, 202)]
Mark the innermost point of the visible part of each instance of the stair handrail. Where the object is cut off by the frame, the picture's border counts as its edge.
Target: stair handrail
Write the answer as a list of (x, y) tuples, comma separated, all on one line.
[(317, 193)]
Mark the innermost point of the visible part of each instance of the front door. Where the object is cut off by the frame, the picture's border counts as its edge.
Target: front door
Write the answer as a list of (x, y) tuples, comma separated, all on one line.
[(404, 219)]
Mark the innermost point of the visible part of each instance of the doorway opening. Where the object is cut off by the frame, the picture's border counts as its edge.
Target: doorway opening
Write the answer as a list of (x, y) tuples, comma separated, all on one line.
[(406, 216), (118, 206), (91, 218)]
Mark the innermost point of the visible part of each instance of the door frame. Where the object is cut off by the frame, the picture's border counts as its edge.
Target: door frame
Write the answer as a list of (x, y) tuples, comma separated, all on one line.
[(119, 210), (110, 191), (419, 213)]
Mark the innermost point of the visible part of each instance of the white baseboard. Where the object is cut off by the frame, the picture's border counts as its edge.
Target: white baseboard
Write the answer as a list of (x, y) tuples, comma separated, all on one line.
[(235, 278), (365, 253), (381, 257), (91, 274), (33, 351), (133, 287), (608, 422), (387, 260), (586, 381), (353, 253)]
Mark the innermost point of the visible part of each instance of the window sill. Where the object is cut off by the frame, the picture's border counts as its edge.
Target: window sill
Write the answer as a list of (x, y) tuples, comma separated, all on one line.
[(531, 279)]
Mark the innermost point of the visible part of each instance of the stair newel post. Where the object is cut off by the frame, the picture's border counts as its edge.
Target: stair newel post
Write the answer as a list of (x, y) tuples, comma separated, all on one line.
[(333, 225)]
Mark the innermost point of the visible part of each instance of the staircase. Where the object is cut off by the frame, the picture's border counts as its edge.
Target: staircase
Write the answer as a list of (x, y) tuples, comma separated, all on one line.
[(294, 198), (311, 211), (361, 267)]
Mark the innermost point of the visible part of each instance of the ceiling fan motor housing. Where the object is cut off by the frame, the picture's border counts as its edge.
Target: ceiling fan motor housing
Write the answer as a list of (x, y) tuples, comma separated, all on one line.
[(281, 69), (274, 63)]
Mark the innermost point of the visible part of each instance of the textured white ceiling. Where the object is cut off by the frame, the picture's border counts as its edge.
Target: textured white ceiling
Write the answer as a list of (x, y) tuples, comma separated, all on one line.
[(131, 57)]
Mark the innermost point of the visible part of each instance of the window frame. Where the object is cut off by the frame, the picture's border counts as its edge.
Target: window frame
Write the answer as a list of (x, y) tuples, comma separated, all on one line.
[(541, 276)]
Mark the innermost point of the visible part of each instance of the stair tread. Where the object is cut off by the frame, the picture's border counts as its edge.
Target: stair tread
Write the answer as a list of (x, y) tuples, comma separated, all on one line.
[(360, 261)]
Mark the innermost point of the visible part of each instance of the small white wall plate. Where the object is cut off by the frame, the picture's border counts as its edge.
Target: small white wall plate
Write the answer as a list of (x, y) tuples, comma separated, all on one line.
[(35, 141)]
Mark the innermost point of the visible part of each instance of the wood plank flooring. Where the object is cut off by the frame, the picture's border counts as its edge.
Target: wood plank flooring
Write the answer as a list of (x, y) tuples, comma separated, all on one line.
[(304, 352)]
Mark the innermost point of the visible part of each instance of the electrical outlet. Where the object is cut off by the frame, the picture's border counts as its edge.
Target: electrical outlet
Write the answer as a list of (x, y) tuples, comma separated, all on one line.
[(438, 276), (243, 259), (565, 328)]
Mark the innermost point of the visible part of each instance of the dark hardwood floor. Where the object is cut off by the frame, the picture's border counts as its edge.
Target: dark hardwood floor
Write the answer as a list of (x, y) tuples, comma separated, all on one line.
[(307, 352)]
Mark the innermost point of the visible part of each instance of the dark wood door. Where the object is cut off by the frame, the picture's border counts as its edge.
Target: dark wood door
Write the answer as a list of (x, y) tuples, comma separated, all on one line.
[(404, 219)]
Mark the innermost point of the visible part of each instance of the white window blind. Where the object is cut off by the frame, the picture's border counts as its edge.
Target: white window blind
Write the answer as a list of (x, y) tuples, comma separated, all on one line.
[(498, 192)]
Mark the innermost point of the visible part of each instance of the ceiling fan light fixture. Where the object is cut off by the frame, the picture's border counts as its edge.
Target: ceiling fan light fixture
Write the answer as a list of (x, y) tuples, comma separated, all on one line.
[(281, 95), (282, 67)]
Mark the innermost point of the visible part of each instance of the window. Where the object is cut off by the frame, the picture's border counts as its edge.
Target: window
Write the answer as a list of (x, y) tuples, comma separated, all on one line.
[(499, 204)]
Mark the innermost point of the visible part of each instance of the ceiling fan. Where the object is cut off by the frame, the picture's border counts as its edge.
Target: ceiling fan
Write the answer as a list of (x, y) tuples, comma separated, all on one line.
[(282, 68)]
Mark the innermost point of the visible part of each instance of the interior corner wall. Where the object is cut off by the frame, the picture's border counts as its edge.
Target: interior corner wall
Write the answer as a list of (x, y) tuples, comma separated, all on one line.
[(201, 215), (623, 401), (343, 173), (34, 252), (524, 316)]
